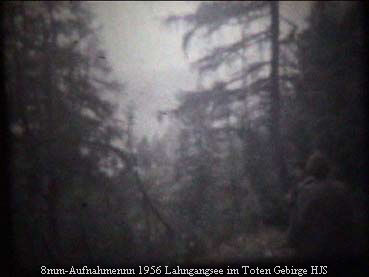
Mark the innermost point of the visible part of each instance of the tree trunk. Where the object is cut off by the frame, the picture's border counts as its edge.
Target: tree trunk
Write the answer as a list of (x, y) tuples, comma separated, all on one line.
[(277, 145)]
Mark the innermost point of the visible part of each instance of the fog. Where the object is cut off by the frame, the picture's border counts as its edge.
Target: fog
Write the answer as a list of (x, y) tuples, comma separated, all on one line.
[(184, 134), (148, 56)]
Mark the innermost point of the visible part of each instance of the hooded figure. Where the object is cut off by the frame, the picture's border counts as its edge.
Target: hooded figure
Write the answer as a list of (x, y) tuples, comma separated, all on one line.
[(322, 214)]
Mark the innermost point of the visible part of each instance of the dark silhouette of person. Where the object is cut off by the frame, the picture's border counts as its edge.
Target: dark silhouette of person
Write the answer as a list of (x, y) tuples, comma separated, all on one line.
[(322, 214)]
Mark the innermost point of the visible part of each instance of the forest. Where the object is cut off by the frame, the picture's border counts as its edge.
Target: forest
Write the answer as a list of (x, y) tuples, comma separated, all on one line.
[(84, 189)]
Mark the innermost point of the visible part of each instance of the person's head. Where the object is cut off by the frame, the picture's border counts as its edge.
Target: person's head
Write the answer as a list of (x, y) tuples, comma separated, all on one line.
[(298, 170), (317, 166)]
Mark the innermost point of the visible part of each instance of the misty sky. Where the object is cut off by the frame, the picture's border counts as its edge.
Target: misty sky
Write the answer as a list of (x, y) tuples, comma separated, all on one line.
[(147, 56)]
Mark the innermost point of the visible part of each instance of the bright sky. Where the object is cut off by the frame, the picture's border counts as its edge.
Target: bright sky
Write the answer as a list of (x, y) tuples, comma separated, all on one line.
[(147, 56)]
